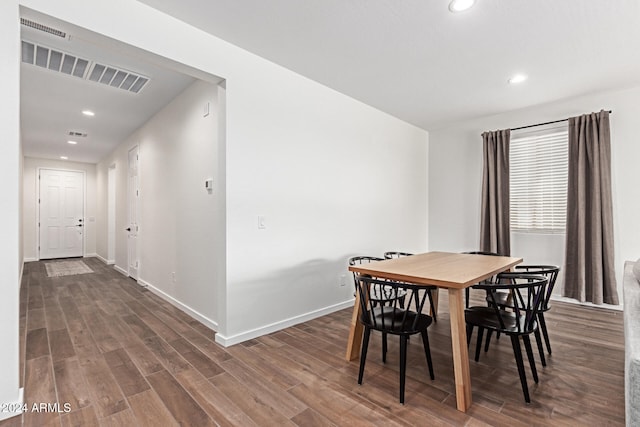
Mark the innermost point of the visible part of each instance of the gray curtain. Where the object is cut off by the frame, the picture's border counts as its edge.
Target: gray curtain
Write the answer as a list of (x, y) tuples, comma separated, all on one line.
[(589, 270), (494, 222)]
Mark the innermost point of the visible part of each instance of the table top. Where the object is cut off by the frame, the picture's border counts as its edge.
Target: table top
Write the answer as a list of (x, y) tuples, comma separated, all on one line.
[(443, 269)]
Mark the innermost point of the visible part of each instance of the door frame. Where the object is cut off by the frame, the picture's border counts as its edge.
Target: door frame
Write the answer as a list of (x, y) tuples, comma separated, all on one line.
[(84, 206), (136, 276)]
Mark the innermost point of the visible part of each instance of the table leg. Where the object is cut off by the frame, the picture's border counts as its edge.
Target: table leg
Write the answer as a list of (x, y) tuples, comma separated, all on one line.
[(355, 332), (434, 294), (460, 349)]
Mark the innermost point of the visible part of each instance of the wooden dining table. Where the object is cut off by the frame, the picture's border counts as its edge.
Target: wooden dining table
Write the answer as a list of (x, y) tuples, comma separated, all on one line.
[(453, 271)]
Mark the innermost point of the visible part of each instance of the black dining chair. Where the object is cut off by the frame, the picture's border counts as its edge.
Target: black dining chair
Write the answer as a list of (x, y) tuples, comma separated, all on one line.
[(384, 295), (428, 289), (503, 300), (393, 319), (526, 293)]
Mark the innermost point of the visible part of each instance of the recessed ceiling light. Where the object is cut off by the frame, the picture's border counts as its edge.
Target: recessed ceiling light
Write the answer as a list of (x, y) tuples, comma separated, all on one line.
[(72, 142), (518, 78), (460, 5), (88, 113), (63, 157)]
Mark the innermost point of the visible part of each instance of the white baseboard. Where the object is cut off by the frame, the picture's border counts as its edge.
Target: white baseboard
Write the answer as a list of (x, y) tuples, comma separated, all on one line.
[(267, 329), (30, 259), (106, 261), (13, 409), (121, 270), (171, 300)]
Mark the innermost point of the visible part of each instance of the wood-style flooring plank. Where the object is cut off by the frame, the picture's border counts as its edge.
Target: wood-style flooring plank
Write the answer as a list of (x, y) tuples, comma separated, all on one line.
[(125, 372), (40, 388), (70, 383), (103, 388), (80, 418), (61, 345), (265, 390), (196, 358), (150, 411), (222, 410), (254, 406), (181, 405), (37, 344)]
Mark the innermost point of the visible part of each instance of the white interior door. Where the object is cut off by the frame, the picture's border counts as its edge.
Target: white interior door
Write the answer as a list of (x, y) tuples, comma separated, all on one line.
[(132, 227), (61, 225)]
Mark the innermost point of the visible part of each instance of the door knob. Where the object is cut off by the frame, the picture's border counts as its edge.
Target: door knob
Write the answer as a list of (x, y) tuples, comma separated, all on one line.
[(128, 228)]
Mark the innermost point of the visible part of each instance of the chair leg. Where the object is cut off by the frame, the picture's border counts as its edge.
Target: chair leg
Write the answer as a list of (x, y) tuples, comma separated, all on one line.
[(540, 348), (517, 351), (532, 361), (363, 353), (469, 333), (466, 297), (479, 342), (427, 352), (543, 326), (384, 347), (403, 365), (488, 340)]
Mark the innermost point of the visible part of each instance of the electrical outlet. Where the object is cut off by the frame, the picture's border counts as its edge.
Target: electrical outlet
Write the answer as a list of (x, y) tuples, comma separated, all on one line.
[(343, 280)]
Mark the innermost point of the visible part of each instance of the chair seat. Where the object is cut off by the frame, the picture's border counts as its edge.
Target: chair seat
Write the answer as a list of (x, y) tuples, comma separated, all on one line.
[(486, 317), (397, 321)]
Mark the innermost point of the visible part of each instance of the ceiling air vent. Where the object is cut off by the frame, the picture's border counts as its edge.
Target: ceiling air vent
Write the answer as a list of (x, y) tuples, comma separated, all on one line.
[(43, 28), (53, 60), (77, 134), (115, 77)]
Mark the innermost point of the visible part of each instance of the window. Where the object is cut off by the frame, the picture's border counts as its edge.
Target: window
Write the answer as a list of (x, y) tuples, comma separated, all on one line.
[(538, 180)]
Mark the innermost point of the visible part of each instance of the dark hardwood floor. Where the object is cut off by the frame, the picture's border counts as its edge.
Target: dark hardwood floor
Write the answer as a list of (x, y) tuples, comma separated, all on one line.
[(118, 355)]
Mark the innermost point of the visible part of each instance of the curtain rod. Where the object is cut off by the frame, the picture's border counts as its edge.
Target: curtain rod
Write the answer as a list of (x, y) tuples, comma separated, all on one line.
[(546, 123)]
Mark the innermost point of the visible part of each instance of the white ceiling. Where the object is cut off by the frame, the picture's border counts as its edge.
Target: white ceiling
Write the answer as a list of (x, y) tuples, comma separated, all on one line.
[(411, 58), (419, 62)]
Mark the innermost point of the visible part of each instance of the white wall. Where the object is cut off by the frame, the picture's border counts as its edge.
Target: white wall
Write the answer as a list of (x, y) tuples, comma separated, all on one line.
[(455, 172), (178, 216), (10, 208), (333, 177), (30, 200)]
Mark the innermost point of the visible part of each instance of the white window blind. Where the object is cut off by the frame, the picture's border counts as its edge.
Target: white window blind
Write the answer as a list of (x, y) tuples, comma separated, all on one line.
[(538, 181)]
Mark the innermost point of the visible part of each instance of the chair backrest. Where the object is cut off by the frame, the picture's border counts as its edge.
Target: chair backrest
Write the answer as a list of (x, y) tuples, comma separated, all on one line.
[(394, 254), (548, 271), (395, 317), (481, 253), (527, 294), (358, 260)]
